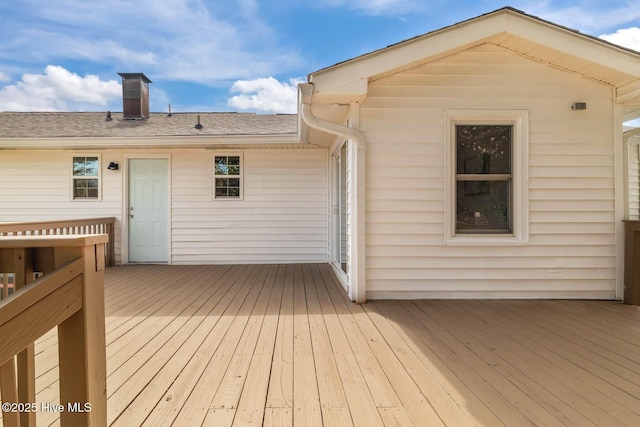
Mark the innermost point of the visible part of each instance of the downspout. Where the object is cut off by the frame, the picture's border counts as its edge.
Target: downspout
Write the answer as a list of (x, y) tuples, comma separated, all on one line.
[(357, 276)]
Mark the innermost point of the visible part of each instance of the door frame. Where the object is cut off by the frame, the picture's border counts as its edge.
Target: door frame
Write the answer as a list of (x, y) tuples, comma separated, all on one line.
[(334, 209), (124, 238)]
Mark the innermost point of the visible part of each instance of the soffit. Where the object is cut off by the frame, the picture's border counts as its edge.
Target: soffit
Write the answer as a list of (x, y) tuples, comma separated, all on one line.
[(333, 112)]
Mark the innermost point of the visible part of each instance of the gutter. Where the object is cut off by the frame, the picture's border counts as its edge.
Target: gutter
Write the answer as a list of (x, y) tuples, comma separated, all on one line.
[(187, 141), (357, 270), (306, 90)]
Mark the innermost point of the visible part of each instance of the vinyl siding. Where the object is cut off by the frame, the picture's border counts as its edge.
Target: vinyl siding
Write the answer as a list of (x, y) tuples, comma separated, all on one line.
[(35, 185), (570, 252), (282, 218)]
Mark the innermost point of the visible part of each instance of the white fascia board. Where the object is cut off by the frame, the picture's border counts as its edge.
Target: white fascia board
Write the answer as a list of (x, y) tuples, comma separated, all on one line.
[(159, 142), (361, 69), (573, 43), (473, 32)]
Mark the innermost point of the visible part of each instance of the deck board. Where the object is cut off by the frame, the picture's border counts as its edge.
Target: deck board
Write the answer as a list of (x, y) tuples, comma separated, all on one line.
[(281, 345)]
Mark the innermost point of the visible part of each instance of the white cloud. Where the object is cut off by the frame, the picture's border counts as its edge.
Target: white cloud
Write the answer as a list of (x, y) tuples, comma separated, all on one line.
[(206, 42), (58, 90), (4, 77), (626, 37), (589, 16), (376, 7), (266, 95)]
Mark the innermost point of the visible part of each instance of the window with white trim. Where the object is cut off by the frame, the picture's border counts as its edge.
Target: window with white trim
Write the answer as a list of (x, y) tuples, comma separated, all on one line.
[(487, 198), (85, 178), (483, 179), (228, 176)]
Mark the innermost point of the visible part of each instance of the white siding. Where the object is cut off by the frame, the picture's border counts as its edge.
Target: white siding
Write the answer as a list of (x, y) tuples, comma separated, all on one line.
[(283, 216), (571, 182), (35, 185)]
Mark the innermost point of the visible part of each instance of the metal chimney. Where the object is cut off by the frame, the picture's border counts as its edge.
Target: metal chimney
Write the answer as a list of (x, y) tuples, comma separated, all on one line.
[(135, 96)]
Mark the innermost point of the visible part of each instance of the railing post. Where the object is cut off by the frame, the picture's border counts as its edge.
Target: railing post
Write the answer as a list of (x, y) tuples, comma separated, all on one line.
[(23, 275), (8, 380), (72, 298), (111, 244), (9, 392), (82, 347), (632, 262), (20, 389)]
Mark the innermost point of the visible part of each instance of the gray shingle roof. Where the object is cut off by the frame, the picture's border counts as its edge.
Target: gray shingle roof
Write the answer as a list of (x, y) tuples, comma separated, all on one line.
[(94, 125)]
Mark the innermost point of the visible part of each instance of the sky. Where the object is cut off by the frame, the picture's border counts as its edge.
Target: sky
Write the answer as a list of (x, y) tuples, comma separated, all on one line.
[(230, 55)]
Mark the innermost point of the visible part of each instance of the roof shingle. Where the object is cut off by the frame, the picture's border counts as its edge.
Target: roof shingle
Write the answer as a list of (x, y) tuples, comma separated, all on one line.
[(95, 125)]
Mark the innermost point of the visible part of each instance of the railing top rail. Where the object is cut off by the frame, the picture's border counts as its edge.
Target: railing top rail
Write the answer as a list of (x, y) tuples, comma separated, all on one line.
[(632, 225), (54, 280), (41, 225), (49, 241)]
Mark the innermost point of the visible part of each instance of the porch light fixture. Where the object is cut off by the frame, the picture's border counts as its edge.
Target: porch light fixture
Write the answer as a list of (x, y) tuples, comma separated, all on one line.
[(579, 106), (113, 166)]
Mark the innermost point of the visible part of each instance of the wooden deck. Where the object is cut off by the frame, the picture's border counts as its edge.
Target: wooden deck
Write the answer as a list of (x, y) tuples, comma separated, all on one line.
[(280, 345)]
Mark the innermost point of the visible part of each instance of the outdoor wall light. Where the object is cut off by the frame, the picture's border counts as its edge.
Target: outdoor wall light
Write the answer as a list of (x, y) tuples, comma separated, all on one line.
[(579, 106), (113, 166)]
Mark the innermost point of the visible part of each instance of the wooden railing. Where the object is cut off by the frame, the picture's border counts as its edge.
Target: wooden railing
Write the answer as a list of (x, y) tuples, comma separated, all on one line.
[(632, 262), (69, 295), (65, 227)]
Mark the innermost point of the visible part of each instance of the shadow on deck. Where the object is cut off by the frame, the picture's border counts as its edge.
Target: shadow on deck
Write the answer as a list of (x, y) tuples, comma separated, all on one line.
[(281, 345)]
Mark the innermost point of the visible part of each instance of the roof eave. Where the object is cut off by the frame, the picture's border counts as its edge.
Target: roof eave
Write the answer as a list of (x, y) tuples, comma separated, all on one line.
[(204, 141), (353, 74)]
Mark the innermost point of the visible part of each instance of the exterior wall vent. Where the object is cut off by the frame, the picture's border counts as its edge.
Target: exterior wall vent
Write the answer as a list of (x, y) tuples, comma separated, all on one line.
[(135, 96)]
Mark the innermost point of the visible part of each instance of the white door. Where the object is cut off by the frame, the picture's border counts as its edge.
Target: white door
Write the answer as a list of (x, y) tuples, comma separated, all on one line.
[(148, 210)]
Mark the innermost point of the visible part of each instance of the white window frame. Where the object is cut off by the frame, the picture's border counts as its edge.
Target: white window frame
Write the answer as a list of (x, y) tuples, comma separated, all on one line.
[(240, 176), (73, 178), (519, 119)]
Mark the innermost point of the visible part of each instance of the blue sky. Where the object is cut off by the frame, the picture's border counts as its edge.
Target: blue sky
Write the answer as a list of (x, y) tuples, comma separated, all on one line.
[(229, 55)]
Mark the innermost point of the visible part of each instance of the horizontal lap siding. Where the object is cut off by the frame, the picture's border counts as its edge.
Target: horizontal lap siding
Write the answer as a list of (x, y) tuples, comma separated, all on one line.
[(283, 216), (571, 186), (35, 185)]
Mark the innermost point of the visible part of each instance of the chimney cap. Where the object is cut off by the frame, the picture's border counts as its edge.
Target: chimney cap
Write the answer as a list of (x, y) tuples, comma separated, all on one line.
[(140, 76)]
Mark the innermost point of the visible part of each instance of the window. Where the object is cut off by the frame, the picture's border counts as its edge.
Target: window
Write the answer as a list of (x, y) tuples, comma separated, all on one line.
[(86, 178), (483, 179), (228, 177), (486, 192)]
